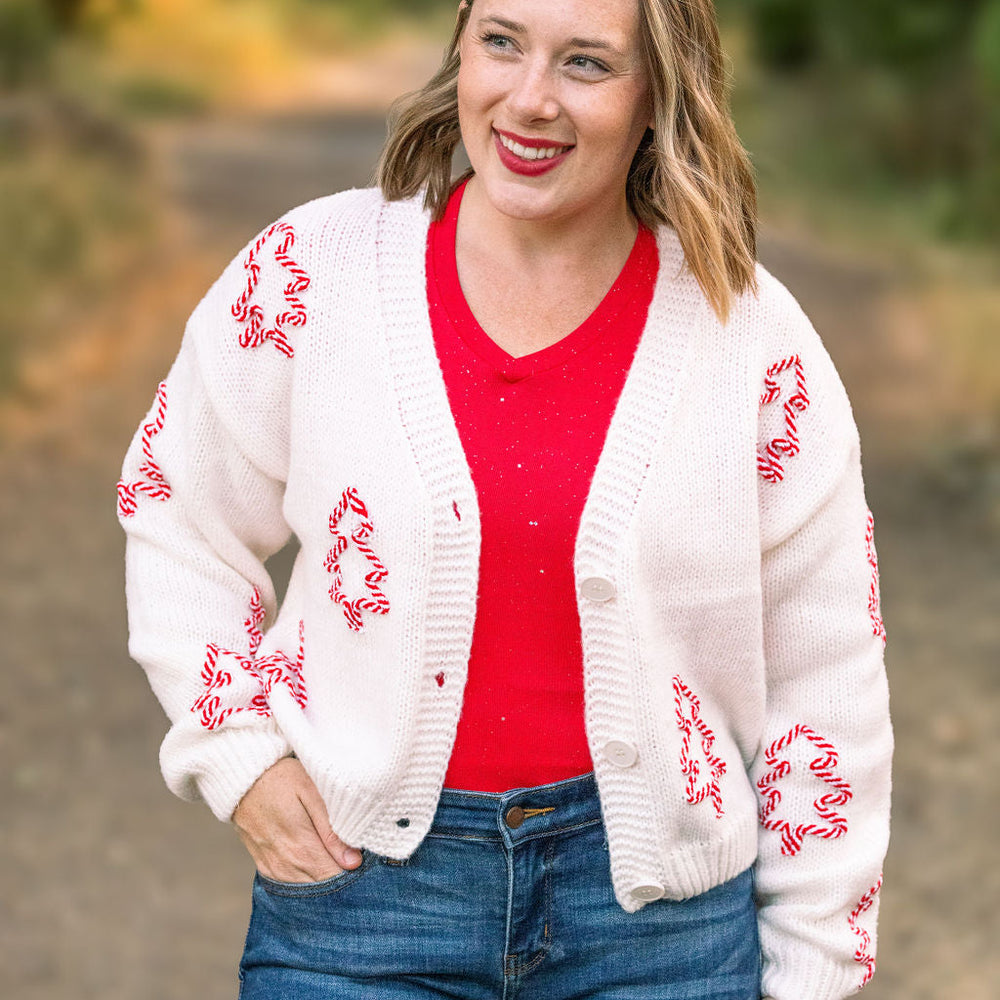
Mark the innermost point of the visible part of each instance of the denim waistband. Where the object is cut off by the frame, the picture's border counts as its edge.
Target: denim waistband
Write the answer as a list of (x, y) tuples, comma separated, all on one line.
[(520, 814)]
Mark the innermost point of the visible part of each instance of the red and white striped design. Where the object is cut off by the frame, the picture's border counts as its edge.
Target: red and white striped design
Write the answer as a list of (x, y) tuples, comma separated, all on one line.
[(689, 721), (823, 767), (151, 482), (254, 334), (770, 458), (226, 690), (863, 953), (212, 704), (253, 623), (375, 601), (874, 596), (279, 669)]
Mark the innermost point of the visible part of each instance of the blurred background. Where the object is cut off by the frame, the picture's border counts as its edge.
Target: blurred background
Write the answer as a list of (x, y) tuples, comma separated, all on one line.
[(142, 142)]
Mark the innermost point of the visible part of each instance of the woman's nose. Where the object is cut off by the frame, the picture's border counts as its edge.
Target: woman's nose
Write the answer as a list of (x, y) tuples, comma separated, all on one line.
[(533, 93)]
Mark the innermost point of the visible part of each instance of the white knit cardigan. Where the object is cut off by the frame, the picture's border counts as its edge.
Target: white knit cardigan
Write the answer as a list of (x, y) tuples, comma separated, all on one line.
[(736, 705)]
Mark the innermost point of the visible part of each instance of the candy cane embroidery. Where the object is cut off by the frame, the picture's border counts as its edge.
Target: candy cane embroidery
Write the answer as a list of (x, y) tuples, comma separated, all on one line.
[(874, 596), (823, 767), (151, 482), (253, 623), (254, 334), (220, 698), (770, 458), (689, 721), (863, 953), (375, 602), (279, 669), (229, 692)]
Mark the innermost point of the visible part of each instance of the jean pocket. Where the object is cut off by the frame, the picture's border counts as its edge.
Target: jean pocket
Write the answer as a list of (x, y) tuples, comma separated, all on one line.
[(274, 887)]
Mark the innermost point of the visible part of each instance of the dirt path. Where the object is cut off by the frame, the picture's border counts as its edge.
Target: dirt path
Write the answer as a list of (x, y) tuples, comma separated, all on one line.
[(112, 889)]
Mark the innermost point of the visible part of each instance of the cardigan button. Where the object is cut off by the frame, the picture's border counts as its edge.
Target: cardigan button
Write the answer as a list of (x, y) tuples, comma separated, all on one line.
[(597, 589), (649, 893), (620, 754)]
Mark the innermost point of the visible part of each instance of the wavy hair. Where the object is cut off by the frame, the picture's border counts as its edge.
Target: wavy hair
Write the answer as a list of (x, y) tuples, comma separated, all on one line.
[(690, 171)]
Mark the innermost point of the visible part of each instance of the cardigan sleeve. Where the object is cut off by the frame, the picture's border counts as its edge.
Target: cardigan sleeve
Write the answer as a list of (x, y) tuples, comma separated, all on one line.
[(822, 770), (201, 500)]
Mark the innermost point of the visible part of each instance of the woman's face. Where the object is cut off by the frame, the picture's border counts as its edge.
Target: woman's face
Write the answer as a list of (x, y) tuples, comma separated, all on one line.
[(553, 101)]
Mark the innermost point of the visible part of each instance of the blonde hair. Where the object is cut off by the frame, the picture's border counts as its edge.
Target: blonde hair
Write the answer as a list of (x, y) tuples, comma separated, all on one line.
[(690, 170)]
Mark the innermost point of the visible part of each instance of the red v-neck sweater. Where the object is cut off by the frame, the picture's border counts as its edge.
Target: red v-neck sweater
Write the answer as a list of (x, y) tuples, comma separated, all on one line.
[(532, 428)]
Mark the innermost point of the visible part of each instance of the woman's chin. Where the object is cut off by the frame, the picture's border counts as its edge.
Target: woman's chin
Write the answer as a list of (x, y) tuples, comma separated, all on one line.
[(522, 199)]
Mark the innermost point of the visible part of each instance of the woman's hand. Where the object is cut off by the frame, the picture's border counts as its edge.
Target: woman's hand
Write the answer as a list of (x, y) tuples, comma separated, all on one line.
[(283, 823)]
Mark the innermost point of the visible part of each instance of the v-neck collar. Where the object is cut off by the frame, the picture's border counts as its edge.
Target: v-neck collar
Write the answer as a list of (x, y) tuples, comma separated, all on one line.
[(514, 369), (679, 317)]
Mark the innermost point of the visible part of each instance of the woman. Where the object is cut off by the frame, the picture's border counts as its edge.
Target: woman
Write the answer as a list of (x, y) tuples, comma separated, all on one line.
[(577, 688)]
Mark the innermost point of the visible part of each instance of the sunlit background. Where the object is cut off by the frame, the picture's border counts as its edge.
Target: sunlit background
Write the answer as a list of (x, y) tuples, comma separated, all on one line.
[(142, 142)]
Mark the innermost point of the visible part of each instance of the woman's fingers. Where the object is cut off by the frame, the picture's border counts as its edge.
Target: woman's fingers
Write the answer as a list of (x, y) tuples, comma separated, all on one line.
[(345, 856), (283, 824)]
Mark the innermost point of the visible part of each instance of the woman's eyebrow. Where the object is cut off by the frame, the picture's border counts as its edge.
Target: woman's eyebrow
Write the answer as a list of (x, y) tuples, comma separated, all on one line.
[(593, 43), (500, 22), (573, 43)]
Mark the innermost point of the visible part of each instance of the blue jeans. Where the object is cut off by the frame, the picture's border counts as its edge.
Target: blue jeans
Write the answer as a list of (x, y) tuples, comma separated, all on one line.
[(509, 895)]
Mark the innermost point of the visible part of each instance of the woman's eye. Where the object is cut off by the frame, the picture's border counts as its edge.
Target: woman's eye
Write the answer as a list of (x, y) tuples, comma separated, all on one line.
[(587, 65), (499, 43)]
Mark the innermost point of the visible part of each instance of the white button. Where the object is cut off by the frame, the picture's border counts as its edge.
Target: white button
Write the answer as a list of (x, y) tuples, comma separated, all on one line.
[(649, 893), (621, 754), (597, 589)]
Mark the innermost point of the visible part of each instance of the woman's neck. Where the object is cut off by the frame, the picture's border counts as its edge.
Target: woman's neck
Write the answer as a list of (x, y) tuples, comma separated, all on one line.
[(580, 240), (529, 283)]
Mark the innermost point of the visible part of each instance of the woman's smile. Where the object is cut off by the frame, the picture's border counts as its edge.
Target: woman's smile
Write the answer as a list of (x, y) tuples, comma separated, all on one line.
[(529, 157)]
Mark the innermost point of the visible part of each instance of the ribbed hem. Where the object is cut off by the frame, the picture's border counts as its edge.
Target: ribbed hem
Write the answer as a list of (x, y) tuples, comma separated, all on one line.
[(698, 868), (692, 870)]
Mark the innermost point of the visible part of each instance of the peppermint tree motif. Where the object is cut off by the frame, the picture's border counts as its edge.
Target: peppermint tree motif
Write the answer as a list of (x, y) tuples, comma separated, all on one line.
[(374, 600), (256, 331), (831, 824), (863, 953), (702, 774), (874, 597), (236, 683), (151, 481), (770, 463)]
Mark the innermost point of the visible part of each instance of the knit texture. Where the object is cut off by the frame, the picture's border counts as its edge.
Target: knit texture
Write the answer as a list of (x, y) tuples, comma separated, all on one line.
[(532, 429), (736, 706)]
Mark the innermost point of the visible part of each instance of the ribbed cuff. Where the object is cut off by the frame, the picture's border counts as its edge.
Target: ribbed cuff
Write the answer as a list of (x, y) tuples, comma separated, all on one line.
[(224, 766), (806, 973)]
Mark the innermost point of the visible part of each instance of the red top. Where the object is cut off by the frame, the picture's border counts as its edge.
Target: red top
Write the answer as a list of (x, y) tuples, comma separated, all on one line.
[(533, 429)]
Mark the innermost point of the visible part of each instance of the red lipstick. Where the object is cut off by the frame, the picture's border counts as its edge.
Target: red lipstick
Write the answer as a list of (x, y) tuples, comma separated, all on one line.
[(528, 168)]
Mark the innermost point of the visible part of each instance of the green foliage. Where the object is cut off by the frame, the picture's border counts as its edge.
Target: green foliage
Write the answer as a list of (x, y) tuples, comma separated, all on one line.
[(27, 38), (67, 13), (151, 96), (914, 37), (986, 51), (909, 89), (75, 203), (785, 32)]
